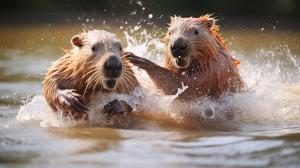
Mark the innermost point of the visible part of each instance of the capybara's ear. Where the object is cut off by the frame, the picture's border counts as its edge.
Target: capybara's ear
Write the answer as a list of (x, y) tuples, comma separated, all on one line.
[(210, 22), (207, 20), (76, 41), (173, 18)]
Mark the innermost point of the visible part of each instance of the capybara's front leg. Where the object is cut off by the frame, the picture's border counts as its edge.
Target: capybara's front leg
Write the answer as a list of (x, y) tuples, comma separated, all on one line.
[(165, 79), (72, 104), (67, 101)]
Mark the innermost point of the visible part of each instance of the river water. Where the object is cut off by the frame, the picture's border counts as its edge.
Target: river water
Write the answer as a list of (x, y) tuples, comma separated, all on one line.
[(266, 126)]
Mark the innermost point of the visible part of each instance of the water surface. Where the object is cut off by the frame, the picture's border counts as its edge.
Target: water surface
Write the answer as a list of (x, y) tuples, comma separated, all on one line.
[(267, 124)]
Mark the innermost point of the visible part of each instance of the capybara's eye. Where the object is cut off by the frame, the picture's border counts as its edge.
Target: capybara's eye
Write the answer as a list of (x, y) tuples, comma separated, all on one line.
[(169, 33), (196, 32), (121, 48), (94, 48)]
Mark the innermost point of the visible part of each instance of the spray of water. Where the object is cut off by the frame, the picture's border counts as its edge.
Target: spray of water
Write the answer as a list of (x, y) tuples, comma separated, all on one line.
[(272, 95)]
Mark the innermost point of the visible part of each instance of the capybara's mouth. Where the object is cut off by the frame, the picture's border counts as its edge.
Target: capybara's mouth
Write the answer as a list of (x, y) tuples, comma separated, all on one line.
[(181, 62), (110, 83)]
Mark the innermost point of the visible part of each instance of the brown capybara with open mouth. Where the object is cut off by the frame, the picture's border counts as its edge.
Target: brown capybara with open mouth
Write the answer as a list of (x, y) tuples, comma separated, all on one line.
[(95, 64), (196, 56)]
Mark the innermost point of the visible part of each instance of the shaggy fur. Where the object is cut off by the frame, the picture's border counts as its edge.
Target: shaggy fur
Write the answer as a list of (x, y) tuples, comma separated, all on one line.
[(78, 76), (211, 71)]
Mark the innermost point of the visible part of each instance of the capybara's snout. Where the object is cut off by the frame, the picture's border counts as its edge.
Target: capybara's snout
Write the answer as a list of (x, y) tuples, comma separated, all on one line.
[(113, 67), (179, 48)]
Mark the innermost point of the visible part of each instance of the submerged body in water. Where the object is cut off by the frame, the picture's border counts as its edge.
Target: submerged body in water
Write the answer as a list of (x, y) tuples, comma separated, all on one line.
[(93, 66), (73, 80), (264, 131), (196, 56), (263, 82)]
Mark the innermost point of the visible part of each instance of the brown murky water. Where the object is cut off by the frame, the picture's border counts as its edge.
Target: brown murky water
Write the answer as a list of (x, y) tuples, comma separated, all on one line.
[(268, 133)]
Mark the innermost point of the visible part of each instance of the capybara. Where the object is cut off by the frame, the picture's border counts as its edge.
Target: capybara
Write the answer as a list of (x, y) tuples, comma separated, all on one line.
[(196, 56), (95, 64)]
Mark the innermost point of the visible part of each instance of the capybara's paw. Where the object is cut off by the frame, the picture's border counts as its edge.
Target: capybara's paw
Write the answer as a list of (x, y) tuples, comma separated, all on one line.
[(116, 107), (138, 61), (127, 54), (73, 102)]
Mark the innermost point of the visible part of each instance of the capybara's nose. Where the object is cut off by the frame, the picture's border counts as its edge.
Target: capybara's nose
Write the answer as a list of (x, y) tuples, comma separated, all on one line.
[(179, 48), (113, 67)]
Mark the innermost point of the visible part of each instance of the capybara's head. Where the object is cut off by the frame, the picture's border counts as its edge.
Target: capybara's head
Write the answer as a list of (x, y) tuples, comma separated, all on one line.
[(190, 38), (98, 52)]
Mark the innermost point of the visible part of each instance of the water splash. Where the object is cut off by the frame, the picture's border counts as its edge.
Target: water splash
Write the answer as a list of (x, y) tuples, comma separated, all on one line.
[(271, 75), (38, 112)]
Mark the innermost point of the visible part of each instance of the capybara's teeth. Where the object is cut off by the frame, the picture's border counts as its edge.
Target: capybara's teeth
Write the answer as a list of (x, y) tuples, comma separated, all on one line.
[(202, 57)]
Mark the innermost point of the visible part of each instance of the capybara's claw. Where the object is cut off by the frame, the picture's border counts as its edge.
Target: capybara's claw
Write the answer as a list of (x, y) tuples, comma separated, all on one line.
[(77, 106), (127, 54), (132, 57), (139, 61), (74, 80), (116, 107), (73, 101)]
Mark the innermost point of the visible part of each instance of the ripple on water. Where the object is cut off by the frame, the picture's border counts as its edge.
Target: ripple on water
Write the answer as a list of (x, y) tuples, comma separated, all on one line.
[(17, 92), (272, 76)]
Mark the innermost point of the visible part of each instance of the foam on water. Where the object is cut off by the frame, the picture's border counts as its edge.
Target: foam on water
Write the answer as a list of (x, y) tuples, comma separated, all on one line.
[(272, 95)]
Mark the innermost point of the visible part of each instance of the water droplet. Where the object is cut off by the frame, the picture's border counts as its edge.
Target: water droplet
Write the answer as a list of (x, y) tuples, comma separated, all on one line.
[(133, 13), (136, 28), (139, 3)]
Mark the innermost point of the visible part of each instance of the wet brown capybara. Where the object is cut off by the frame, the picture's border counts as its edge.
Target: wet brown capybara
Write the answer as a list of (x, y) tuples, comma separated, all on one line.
[(196, 56), (95, 64)]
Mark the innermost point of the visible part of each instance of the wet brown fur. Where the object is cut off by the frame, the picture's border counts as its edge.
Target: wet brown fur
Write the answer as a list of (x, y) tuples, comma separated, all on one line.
[(75, 71), (212, 70)]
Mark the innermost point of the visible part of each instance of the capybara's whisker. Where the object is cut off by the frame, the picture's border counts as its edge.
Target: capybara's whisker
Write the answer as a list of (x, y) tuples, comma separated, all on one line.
[(196, 55), (74, 79)]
